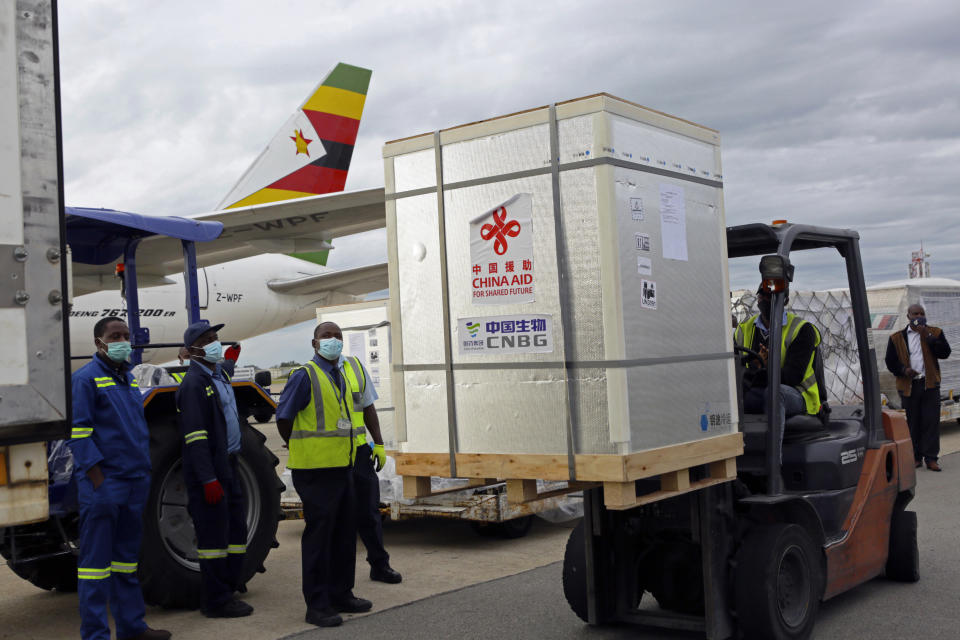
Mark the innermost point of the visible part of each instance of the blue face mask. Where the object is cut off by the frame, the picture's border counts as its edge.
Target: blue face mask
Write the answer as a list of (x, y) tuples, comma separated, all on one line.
[(329, 348), (118, 351), (213, 352)]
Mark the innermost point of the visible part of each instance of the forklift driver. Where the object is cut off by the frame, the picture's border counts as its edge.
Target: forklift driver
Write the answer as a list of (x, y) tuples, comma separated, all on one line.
[(799, 391)]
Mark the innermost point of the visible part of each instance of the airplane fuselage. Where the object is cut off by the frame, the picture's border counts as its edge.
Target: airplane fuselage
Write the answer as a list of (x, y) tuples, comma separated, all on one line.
[(234, 293)]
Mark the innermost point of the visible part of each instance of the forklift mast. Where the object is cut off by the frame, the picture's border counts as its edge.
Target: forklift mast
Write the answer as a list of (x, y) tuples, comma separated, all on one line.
[(760, 239)]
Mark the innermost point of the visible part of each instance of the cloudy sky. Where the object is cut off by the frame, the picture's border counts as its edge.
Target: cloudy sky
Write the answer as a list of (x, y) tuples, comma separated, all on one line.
[(837, 113)]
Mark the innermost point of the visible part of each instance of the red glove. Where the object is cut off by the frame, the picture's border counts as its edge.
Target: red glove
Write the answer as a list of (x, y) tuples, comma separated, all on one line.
[(232, 353), (212, 492)]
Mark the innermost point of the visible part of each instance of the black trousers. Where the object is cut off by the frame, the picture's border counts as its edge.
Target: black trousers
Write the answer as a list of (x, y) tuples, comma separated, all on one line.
[(923, 418), (369, 522), (328, 547), (221, 539)]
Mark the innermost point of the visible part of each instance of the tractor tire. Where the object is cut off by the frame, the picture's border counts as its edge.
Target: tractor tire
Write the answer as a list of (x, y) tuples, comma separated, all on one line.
[(778, 583), (56, 573), (169, 571), (52, 574), (903, 561)]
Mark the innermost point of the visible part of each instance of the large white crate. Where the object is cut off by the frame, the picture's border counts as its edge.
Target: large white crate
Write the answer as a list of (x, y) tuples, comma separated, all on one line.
[(618, 371)]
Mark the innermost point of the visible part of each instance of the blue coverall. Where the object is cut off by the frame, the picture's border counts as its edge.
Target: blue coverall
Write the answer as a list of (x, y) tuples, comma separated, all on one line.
[(210, 428), (109, 430)]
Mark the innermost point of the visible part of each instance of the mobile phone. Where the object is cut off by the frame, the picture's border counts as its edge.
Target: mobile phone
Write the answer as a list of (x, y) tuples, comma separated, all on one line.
[(918, 322)]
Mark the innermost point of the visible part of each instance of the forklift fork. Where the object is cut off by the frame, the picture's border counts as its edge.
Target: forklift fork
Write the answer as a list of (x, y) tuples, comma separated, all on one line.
[(610, 584)]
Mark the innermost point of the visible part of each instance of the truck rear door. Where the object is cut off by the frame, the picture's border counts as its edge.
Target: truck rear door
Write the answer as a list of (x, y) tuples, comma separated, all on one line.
[(34, 349)]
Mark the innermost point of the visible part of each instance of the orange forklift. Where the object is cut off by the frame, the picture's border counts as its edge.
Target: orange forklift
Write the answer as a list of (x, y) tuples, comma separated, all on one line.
[(754, 557)]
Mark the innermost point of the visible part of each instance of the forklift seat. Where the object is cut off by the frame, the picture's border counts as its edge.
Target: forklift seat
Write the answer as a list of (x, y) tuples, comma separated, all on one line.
[(803, 423), (816, 457)]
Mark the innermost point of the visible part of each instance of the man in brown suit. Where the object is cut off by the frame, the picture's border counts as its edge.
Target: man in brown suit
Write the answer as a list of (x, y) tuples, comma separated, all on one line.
[(912, 356)]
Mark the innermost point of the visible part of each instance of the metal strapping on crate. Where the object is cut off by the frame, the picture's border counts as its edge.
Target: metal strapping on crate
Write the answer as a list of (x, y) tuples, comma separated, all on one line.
[(574, 364), (396, 342), (563, 285), (567, 166), (445, 305)]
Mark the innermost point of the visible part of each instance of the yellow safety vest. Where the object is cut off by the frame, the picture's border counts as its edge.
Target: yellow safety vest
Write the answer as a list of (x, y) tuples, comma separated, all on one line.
[(354, 373), (325, 433), (808, 386)]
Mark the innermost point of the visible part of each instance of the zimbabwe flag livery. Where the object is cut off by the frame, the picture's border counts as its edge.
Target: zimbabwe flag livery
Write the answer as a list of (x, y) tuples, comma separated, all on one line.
[(311, 153)]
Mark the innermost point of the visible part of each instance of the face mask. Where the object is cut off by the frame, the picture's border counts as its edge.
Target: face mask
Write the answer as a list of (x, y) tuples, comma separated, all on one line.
[(329, 348), (213, 352), (118, 351)]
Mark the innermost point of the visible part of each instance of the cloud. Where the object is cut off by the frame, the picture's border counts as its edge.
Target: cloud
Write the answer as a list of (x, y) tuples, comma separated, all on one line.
[(844, 114)]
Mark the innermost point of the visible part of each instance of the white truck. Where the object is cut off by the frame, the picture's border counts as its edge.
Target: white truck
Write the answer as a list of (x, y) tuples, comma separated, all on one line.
[(34, 350)]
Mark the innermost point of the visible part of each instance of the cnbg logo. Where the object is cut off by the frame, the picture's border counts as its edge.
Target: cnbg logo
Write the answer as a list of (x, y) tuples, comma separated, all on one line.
[(473, 329)]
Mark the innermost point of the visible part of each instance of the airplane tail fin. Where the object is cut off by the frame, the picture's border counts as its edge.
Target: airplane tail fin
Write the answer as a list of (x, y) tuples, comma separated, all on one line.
[(311, 153)]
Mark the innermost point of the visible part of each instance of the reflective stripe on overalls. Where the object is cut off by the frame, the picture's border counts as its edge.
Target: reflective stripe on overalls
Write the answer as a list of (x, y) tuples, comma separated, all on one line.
[(808, 386), (325, 431)]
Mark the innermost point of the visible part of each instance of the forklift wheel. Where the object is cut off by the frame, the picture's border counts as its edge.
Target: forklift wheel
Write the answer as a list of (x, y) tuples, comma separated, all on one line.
[(778, 583), (575, 572), (903, 561)]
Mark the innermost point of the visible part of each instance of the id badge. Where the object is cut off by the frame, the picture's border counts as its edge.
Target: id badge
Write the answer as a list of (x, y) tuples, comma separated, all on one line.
[(343, 423)]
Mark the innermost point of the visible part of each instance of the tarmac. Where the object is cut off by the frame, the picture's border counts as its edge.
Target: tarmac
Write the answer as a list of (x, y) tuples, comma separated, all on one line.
[(458, 584), (531, 604)]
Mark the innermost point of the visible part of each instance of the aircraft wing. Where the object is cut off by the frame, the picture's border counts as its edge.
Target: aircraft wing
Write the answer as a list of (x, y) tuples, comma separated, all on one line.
[(303, 225), (355, 282)]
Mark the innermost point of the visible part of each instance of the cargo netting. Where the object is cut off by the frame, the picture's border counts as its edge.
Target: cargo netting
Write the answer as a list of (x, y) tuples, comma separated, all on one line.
[(830, 312)]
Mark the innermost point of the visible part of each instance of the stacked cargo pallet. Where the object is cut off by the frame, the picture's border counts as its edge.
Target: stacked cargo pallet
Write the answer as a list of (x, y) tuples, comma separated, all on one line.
[(560, 304)]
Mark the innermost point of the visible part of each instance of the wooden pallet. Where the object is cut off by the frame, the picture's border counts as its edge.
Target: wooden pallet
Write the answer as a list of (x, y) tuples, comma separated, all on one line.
[(421, 486), (519, 491), (617, 473), (623, 495)]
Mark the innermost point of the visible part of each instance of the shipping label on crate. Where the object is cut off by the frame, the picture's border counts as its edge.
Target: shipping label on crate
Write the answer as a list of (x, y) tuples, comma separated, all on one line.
[(500, 335), (501, 253)]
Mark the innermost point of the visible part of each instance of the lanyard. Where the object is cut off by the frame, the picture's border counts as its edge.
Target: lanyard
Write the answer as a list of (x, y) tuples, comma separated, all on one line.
[(336, 392)]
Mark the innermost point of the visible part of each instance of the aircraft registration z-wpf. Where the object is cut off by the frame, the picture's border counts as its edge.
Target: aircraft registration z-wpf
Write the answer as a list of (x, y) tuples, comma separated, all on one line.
[(266, 270)]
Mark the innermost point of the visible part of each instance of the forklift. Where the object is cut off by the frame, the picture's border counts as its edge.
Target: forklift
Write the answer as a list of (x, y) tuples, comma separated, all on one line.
[(754, 557)]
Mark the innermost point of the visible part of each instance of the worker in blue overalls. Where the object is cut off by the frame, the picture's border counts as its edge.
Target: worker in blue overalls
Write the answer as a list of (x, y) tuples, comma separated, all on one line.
[(210, 427), (111, 453)]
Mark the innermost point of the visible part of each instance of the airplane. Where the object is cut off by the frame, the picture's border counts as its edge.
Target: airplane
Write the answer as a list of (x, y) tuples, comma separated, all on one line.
[(267, 269)]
